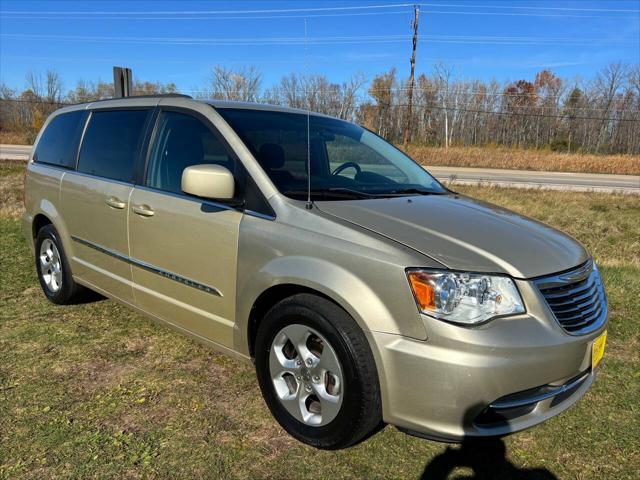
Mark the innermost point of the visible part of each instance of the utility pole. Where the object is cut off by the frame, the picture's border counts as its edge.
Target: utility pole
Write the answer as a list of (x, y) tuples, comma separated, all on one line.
[(407, 129)]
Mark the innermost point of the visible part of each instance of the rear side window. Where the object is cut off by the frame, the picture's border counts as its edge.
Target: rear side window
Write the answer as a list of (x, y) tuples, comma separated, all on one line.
[(183, 141), (112, 143), (59, 142)]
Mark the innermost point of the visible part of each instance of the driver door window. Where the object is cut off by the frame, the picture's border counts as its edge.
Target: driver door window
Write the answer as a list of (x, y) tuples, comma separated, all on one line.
[(182, 141)]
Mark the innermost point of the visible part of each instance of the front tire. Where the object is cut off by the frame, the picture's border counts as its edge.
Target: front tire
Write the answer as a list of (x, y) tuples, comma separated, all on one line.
[(317, 373), (53, 268)]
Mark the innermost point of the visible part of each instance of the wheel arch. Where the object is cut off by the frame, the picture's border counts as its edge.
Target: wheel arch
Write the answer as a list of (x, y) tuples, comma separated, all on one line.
[(39, 221), (46, 213), (269, 298), (285, 276)]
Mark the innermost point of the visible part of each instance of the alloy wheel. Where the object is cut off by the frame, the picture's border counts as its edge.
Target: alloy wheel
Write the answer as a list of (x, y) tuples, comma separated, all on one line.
[(50, 265), (306, 374)]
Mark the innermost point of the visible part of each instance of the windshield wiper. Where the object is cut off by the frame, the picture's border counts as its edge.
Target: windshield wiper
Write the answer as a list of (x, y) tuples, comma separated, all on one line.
[(413, 190), (328, 193), (351, 191)]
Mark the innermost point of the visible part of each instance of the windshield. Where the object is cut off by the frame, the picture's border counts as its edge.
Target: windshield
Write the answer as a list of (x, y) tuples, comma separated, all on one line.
[(347, 161)]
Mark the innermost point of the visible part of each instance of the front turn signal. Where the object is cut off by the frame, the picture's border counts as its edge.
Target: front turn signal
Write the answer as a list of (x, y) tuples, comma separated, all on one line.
[(423, 290)]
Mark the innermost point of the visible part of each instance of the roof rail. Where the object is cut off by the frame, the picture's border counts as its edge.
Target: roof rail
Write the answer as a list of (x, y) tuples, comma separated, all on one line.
[(157, 95)]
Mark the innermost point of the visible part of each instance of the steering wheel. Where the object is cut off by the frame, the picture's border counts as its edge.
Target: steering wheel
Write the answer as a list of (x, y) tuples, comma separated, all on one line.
[(346, 165)]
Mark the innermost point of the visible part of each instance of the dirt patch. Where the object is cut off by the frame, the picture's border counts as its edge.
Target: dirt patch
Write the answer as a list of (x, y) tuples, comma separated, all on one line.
[(11, 188)]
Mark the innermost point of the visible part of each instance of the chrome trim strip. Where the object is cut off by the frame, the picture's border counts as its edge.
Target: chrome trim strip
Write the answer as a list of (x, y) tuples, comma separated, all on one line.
[(264, 216), (580, 273), (553, 392), (151, 268), (102, 179), (81, 141)]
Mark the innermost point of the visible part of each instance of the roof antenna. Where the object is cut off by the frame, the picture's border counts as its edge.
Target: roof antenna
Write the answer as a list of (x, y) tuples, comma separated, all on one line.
[(309, 205)]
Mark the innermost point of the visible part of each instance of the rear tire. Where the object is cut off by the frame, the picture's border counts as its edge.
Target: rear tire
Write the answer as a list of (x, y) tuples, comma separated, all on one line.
[(53, 268), (317, 373)]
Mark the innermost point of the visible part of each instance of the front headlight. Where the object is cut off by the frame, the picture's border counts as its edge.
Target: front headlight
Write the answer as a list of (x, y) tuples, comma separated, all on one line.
[(466, 298)]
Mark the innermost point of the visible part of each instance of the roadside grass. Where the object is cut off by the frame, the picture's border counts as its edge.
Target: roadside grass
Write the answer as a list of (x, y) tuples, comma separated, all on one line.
[(13, 137), (98, 391), (525, 159)]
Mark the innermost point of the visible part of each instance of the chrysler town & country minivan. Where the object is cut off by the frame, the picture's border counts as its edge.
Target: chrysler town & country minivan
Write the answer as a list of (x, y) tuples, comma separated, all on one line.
[(364, 291)]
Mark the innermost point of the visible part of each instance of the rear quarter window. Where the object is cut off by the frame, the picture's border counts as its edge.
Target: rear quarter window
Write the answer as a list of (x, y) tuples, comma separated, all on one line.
[(112, 143), (59, 142)]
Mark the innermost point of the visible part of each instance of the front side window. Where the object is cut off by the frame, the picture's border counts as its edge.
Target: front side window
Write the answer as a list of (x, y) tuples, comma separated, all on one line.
[(59, 142), (180, 142), (112, 143), (346, 161)]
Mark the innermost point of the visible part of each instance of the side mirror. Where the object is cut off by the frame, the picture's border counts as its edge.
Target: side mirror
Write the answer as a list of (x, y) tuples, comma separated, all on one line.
[(208, 181)]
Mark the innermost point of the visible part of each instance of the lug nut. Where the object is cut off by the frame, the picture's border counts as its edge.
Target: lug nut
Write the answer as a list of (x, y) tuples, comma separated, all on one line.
[(307, 387), (309, 362), (316, 378), (298, 362)]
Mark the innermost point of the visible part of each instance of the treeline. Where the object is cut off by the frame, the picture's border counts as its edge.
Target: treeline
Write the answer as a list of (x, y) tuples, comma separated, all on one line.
[(598, 115), (25, 112), (601, 115)]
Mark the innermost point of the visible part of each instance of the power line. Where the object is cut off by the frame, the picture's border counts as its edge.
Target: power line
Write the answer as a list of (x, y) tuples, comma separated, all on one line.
[(339, 40), (219, 12), (276, 91), (423, 106), (528, 7), (37, 15), (321, 9), (520, 114), (519, 14), (204, 17)]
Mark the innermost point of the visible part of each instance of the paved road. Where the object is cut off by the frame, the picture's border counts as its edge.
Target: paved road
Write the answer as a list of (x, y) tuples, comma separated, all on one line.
[(474, 176), (532, 179), (14, 152)]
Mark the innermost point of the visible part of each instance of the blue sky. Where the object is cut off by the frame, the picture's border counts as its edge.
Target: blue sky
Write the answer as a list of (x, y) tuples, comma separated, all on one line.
[(179, 41)]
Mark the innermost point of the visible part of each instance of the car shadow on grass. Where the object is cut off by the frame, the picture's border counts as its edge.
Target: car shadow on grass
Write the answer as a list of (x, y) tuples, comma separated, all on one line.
[(89, 296), (484, 456)]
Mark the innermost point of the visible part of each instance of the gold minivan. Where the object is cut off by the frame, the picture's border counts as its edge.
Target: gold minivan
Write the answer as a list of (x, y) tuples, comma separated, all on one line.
[(363, 290)]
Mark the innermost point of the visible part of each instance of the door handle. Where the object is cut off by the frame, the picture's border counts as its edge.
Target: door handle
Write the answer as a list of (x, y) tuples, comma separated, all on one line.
[(143, 210), (115, 203)]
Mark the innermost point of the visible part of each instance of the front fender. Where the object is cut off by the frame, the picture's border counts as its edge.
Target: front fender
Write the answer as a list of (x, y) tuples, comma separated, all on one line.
[(339, 284)]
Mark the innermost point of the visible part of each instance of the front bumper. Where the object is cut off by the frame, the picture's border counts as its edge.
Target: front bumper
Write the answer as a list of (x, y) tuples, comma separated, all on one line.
[(496, 379)]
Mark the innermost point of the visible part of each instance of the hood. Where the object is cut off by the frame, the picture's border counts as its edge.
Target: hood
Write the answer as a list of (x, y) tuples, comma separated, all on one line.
[(465, 234)]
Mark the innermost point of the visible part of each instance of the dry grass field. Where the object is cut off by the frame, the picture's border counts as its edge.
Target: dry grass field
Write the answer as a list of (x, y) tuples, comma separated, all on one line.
[(520, 159), (10, 137), (98, 391)]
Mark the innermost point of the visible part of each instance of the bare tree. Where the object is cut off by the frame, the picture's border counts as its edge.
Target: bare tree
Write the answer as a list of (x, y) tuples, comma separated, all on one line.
[(607, 84), (443, 75), (242, 84)]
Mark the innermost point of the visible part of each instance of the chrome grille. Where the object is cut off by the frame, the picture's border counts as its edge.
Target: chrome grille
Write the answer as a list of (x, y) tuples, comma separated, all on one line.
[(576, 298)]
